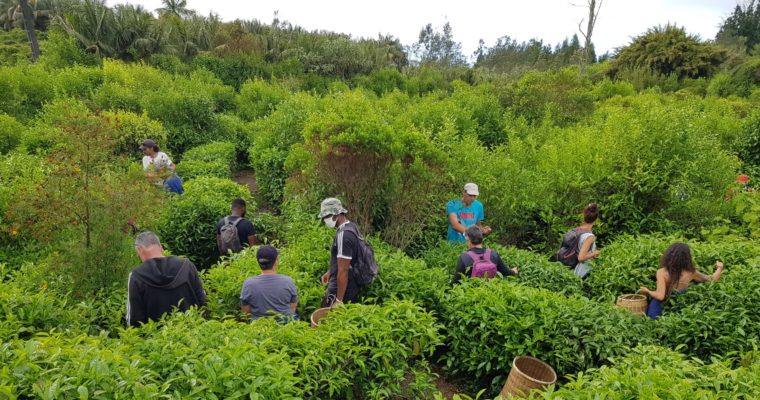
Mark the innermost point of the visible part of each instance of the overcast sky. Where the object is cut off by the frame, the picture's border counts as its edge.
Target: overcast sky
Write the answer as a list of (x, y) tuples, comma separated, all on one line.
[(471, 20)]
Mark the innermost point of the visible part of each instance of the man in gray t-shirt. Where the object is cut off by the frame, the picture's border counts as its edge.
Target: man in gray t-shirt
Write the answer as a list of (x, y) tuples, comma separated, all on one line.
[(269, 293)]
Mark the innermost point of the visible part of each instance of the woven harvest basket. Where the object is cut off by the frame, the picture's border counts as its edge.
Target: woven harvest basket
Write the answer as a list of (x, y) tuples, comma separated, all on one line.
[(317, 315), (635, 303), (527, 373)]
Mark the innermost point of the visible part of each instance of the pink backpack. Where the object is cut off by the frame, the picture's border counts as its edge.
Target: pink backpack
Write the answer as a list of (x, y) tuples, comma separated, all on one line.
[(482, 264)]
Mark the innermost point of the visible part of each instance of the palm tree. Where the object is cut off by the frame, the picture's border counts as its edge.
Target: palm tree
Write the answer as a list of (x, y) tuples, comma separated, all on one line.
[(93, 25), (177, 8), (12, 16)]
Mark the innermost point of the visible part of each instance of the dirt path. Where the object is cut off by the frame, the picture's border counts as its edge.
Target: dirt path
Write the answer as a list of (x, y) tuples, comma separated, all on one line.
[(246, 177), (444, 384)]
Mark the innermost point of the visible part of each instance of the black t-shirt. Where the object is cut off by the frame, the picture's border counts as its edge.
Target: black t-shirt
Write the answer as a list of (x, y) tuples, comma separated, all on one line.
[(345, 245), (244, 227), (464, 263)]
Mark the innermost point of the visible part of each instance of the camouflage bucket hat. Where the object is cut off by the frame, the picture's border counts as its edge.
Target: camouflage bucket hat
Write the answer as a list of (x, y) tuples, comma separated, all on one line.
[(331, 206)]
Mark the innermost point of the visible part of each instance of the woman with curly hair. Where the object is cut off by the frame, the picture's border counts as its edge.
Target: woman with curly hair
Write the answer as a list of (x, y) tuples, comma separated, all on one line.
[(676, 273)]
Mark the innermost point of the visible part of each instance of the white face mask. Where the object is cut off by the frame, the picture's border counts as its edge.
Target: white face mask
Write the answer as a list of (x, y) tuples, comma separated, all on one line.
[(330, 222)]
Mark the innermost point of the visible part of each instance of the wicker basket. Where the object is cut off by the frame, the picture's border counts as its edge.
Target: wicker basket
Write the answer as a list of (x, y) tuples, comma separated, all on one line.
[(635, 303), (317, 315), (527, 373)]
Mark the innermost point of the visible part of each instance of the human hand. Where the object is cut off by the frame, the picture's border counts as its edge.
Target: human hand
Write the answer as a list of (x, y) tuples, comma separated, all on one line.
[(486, 230), (719, 265), (325, 278), (643, 290), (515, 270)]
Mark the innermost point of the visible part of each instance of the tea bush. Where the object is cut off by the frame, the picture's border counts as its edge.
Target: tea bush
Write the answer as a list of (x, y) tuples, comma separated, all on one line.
[(258, 99), (535, 270), (715, 319), (128, 130), (488, 323), (401, 277), (192, 169), (223, 152), (272, 138), (631, 262), (358, 351), (11, 132), (188, 224), (214, 159), (656, 372)]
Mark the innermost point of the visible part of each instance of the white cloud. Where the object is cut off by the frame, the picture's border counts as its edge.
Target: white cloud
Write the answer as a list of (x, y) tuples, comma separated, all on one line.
[(550, 20)]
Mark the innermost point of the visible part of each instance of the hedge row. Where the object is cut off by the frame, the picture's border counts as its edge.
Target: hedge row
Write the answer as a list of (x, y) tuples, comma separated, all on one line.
[(651, 372), (363, 350)]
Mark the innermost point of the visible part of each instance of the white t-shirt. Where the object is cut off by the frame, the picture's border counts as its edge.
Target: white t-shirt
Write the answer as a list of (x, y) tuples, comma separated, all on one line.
[(157, 163)]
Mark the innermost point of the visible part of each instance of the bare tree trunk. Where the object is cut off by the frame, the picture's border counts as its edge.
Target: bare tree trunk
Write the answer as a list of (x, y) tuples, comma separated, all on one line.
[(593, 13), (29, 25)]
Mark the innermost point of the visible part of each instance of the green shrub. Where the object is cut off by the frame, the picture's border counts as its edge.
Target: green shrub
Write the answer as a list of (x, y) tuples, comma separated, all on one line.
[(128, 130), (272, 138), (491, 322), (223, 152), (61, 366), (11, 132), (230, 128), (632, 262), (656, 372), (187, 115), (401, 277), (78, 81), (560, 97), (169, 63), (258, 98), (188, 224), (214, 159), (190, 169), (607, 89), (715, 319)]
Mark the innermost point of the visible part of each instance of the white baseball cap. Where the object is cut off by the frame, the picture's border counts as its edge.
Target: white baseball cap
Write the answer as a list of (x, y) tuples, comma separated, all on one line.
[(471, 189)]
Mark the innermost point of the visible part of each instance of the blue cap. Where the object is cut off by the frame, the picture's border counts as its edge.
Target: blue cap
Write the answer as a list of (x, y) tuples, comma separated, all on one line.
[(266, 256)]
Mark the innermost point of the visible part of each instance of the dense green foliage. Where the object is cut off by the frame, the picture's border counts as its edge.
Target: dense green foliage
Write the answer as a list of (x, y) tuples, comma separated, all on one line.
[(655, 372), (488, 324), (188, 225), (670, 50), (656, 136)]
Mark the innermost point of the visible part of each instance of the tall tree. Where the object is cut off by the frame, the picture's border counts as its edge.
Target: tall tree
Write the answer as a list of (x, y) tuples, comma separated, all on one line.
[(669, 50), (29, 26), (742, 25), (439, 47), (593, 14)]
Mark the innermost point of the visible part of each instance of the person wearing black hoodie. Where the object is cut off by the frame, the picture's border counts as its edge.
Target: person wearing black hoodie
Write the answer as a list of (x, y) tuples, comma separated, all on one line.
[(160, 284)]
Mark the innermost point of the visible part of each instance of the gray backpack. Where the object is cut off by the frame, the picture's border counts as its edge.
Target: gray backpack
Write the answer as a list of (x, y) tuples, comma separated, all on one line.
[(228, 235)]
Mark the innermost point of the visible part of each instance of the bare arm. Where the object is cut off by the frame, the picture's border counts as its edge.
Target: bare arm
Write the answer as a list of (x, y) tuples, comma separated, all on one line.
[(714, 277), (293, 307), (586, 254), (342, 278), (251, 240), (454, 221), (662, 286)]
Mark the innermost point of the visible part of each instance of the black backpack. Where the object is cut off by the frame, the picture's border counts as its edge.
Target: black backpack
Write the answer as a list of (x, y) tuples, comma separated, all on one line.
[(568, 252), (364, 269)]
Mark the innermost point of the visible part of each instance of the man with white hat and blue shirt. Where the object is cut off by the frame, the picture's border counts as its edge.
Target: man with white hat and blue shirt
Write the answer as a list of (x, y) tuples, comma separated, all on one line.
[(465, 212), (341, 287)]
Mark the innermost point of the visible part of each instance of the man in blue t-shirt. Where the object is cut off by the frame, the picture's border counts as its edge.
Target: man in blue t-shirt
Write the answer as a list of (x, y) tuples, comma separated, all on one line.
[(465, 212)]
